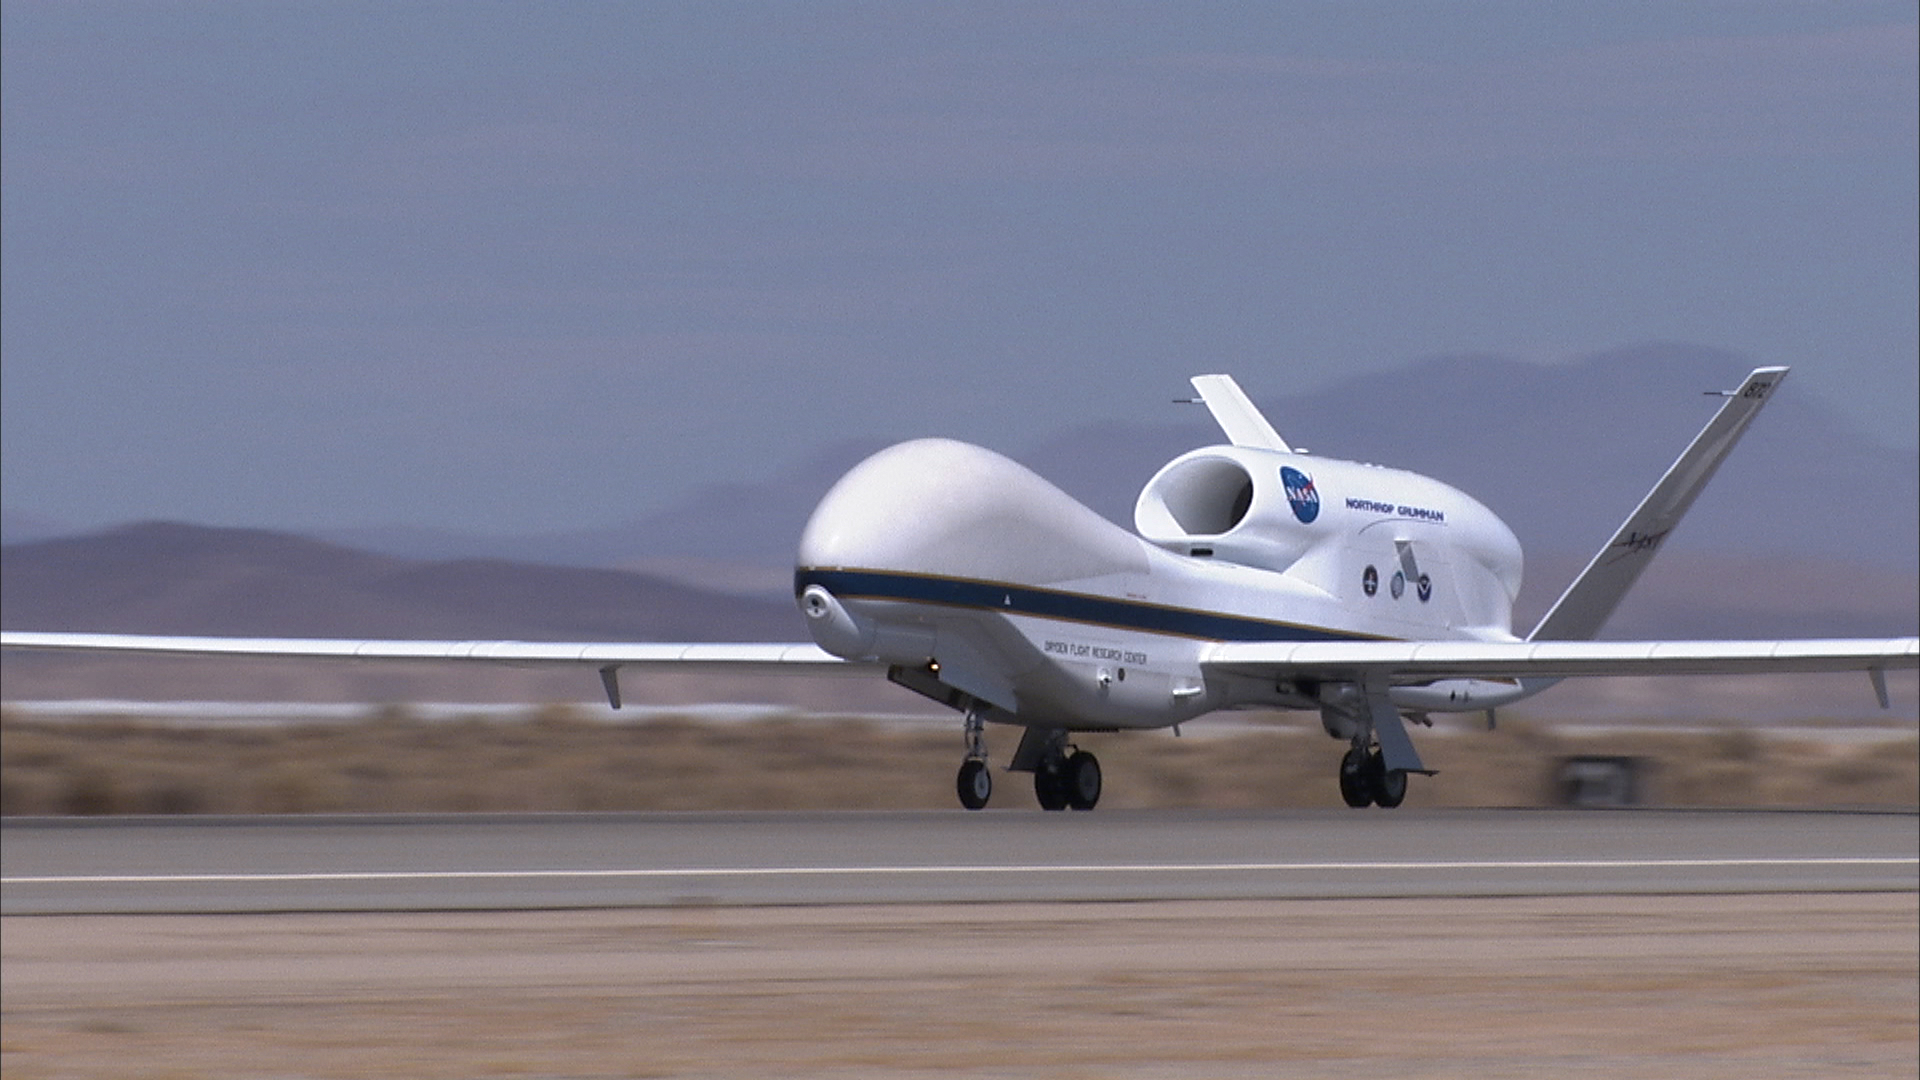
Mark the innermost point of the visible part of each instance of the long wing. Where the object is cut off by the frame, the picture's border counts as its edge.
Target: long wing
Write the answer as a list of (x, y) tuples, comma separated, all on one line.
[(606, 657), (761, 658), (1410, 661), (1404, 661)]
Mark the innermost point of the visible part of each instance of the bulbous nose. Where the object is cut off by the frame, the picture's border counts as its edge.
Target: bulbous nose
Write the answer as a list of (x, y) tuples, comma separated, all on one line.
[(947, 509)]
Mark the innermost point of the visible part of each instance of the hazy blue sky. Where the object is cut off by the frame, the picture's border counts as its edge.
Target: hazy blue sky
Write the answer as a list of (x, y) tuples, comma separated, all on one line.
[(518, 266)]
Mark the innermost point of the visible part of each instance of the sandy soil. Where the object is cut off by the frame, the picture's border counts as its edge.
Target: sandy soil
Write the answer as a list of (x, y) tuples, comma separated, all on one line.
[(1681, 987)]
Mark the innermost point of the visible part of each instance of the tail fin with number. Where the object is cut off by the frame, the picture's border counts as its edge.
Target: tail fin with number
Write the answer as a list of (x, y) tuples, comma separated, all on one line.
[(1591, 599)]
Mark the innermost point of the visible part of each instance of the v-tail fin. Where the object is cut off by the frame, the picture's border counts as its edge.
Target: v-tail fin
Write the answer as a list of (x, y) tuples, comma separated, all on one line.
[(1237, 415), (1593, 596)]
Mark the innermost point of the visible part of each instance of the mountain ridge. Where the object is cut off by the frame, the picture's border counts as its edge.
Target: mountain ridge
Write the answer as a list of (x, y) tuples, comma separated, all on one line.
[(173, 578), (1562, 452)]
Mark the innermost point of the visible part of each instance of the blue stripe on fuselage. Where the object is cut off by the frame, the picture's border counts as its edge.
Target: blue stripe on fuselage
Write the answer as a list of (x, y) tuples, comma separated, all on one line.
[(1054, 604)]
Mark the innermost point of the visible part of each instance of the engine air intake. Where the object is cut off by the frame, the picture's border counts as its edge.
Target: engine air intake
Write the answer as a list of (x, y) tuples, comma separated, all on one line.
[(1202, 496)]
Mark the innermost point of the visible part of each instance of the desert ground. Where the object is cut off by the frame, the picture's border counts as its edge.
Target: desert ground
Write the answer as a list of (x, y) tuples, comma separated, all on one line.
[(1791, 985), (1676, 987), (556, 758)]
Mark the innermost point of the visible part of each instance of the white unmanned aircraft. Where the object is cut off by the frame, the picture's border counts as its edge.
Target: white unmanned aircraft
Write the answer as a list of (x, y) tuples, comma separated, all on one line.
[(1259, 578)]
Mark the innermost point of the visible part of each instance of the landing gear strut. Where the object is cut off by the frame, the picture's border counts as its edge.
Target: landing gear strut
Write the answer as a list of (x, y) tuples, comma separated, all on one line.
[(975, 782), (1366, 781), (1063, 776)]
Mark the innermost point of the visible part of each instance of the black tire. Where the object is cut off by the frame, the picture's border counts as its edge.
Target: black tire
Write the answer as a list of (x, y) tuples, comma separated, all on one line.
[(1081, 781), (1050, 787), (974, 784), (1389, 786), (1356, 785)]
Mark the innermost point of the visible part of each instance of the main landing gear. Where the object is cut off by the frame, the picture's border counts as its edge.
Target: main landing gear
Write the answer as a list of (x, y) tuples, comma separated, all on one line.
[(1068, 780), (1365, 779), (1064, 777)]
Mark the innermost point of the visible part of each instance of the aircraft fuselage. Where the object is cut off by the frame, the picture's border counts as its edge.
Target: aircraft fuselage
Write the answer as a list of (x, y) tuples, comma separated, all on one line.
[(970, 573)]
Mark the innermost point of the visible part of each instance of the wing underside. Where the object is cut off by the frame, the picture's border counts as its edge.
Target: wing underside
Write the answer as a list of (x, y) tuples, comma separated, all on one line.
[(1401, 661), (1411, 661)]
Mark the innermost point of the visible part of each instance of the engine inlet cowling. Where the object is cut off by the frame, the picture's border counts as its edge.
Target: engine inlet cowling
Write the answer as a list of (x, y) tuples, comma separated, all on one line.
[(1197, 497), (1227, 503)]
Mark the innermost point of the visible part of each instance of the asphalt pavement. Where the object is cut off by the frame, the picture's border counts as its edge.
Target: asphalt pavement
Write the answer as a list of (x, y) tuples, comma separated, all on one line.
[(548, 862)]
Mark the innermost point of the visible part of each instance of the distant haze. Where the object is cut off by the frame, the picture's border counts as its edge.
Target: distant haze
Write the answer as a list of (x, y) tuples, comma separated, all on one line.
[(1561, 453), (512, 269), (1809, 529)]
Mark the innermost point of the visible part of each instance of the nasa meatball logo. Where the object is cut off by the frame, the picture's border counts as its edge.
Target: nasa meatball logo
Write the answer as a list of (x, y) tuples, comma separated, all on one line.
[(1300, 494)]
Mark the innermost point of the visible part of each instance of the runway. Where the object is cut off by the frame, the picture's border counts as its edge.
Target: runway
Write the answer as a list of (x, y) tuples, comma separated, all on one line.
[(549, 862), (1426, 944)]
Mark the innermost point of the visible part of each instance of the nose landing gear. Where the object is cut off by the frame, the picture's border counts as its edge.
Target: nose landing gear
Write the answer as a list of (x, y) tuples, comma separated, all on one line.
[(974, 784)]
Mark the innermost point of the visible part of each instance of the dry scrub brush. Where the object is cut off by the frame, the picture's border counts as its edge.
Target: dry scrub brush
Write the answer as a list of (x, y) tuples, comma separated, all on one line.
[(556, 760)]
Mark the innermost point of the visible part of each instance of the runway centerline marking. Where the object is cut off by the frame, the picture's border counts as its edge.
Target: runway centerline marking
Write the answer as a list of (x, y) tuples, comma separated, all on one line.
[(1035, 868)]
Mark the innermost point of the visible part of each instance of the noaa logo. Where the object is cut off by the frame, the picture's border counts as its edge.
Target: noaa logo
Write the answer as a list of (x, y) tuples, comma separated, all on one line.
[(1300, 494)]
